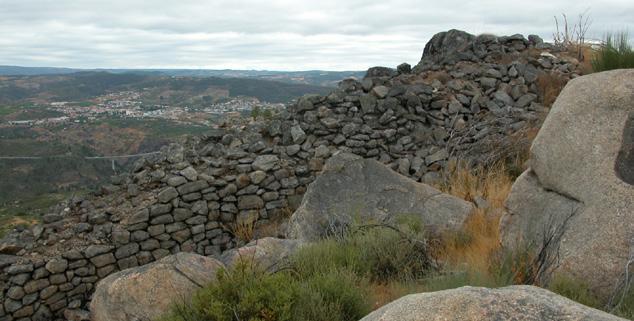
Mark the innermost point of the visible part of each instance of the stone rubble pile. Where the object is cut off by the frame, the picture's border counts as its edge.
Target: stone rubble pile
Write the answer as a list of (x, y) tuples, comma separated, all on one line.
[(196, 196)]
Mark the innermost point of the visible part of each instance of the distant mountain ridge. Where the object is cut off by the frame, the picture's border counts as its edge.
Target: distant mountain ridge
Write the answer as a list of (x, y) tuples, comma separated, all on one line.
[(309, 77)]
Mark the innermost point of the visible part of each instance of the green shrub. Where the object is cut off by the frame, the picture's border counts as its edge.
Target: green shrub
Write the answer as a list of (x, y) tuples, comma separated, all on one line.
[(241, 293), (392, 255), (615, 53), (574, 289), (246, 293), (325, 256), (337, 295), (379, 253)]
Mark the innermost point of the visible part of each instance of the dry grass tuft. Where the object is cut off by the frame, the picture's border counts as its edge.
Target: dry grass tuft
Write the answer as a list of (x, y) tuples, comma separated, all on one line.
[(479, 239), (242, 230), (492, 184), (441, 76), (550, 85), (475, 245)]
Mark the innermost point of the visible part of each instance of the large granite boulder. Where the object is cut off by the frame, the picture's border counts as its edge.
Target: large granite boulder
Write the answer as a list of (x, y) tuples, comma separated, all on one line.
[(353, 190), (448, 46), (147, 292), (518, 303), (576, 202), (269, 253)]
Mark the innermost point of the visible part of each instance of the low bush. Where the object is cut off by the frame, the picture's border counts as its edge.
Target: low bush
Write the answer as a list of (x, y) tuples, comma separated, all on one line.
[(332, 296), (329, 280), (379, 253), (241, 293), (246, 292)]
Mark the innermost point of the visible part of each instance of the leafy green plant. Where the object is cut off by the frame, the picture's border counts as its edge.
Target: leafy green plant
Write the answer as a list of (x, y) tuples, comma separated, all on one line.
[(615, 53)]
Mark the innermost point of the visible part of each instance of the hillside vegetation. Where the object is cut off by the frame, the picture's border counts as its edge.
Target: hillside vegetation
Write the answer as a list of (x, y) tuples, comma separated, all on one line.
[(84, 85)]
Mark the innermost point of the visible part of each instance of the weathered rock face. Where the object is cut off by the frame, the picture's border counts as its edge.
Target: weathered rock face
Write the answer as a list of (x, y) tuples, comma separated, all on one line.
[(519, 303), (145, 293), (269, 253), (353, 189), (445, 46), (578, 190)]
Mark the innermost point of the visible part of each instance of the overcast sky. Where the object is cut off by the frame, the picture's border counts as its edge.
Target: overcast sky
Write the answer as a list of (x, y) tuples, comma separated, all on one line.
[(267, 34)]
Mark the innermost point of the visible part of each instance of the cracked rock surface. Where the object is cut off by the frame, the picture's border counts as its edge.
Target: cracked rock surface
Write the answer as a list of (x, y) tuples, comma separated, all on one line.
[(352, 190), (575, 185), (519, 303), (145, 293)]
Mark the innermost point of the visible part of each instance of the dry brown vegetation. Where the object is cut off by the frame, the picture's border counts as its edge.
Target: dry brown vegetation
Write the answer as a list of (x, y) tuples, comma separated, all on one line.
[(479, 240), (550, 85), (243, 230), (440, 75)]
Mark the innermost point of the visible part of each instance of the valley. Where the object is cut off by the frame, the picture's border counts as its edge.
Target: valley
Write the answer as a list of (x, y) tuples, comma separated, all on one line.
[(50, 124)]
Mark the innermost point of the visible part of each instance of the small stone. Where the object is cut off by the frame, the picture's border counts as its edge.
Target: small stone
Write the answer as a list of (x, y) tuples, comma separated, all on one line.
[(250, 202), (94, 250), (192, 187), (127, 250), (322, 152), (292, 149), (56, 266), (167, 194), (35, 285), (160, 209), (437, 156), (265, 162), (139, 217), (15, 293), (298, 135), (190, 173), (380, 91), (176, 181), (103, 260), (257, 177)]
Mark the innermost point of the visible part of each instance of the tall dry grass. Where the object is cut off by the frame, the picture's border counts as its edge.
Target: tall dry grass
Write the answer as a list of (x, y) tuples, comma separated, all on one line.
[(550, 85), (479, 240)]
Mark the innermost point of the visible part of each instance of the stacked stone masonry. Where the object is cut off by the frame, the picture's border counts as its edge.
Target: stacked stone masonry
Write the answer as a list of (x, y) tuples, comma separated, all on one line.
[(194, 196)]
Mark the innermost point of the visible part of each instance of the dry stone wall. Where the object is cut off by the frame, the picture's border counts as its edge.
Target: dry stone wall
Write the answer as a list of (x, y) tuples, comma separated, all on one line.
[(192, 197)]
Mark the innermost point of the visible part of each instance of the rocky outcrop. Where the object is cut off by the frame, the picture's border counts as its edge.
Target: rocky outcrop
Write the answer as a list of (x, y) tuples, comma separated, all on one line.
[(191, 196), (450, 47), (146, 293), (578, 192), (519, 303), (353, 190)]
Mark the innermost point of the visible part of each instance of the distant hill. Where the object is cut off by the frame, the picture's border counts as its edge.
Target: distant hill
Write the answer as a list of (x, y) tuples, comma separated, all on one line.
[(84, 85), (310, 77)]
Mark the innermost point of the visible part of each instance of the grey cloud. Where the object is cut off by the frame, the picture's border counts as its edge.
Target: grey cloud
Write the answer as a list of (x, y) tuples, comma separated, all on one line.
[(275, 34)]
